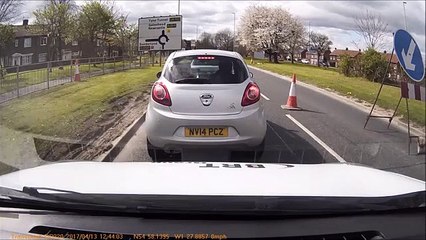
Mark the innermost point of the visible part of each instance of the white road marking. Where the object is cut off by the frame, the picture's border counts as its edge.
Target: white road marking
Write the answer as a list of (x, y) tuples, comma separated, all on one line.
[(401, 126), (325, 146), (265, 97)]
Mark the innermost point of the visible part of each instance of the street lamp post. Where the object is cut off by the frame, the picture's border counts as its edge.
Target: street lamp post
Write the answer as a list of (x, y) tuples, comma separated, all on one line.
[(309, 35), (292, 46), (405, 16), (233, 39), (196, 36), (178, 7)]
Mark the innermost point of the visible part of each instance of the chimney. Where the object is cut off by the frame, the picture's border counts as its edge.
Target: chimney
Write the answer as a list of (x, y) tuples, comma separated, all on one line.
[(346, 49), (25, 22)]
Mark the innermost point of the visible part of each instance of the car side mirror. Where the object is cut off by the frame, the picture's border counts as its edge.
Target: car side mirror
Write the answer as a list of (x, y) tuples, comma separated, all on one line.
[(251, 74), (158, 74)]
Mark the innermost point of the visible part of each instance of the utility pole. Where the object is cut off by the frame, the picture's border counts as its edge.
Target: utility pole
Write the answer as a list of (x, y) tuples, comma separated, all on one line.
[(405, 16), (309, 35), (233, 40), (178, 7)]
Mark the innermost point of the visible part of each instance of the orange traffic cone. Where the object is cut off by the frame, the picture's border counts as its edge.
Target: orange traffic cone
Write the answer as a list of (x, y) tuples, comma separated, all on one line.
[(292, 98), (77, 71)]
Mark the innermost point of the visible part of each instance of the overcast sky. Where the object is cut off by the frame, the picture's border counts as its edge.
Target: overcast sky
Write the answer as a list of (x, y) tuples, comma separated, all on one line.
[(333, 18)]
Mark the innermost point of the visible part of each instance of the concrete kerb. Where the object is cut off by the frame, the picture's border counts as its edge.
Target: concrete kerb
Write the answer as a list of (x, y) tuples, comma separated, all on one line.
[(119, 143), (349, 101)]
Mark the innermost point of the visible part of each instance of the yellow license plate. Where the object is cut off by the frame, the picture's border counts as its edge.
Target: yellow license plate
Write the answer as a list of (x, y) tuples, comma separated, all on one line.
[(206, 132)]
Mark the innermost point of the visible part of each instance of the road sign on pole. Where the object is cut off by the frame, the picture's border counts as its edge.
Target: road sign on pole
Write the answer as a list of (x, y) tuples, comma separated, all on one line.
[(409, 56), (160, 33)]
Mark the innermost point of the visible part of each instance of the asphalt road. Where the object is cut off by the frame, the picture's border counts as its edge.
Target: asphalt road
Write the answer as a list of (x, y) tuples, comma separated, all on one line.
[(327, 130)]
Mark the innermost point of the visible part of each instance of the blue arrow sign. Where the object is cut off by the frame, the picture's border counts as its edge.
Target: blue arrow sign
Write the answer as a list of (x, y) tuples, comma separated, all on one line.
[(409, 56)]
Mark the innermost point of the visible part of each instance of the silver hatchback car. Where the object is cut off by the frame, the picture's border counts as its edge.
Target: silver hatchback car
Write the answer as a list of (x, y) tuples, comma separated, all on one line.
[(205, 98)]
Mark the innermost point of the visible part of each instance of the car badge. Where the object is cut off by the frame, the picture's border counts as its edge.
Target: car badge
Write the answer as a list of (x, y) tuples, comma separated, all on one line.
[(206, 99)]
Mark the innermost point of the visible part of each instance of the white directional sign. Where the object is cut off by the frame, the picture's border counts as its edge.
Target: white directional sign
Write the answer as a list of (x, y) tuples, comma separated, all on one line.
[(409, 56), (160, 33)]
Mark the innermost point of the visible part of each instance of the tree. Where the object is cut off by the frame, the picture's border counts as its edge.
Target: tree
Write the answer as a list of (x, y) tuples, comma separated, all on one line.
[(206, 41), (320, 43), (224, 40), (372, 29), (249, 22), (9, 10), (297, 38), (6, 37), (126, 36), (373, 65), (241, 49), (97, 21), (56, 19), (346, 65), (267, 28)]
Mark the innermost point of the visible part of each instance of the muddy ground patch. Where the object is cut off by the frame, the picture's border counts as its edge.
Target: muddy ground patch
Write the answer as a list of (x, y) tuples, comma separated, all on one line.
[(98, 132)]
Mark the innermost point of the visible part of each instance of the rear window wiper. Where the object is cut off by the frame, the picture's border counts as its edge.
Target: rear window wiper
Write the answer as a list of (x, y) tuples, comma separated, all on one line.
[(192, 80)]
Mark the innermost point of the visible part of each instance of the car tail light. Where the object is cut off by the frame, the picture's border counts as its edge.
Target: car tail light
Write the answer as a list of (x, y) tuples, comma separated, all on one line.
[(251, 94), (160, 94)]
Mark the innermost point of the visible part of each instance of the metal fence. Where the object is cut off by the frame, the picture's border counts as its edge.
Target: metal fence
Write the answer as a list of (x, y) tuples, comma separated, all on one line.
[(21, 80)]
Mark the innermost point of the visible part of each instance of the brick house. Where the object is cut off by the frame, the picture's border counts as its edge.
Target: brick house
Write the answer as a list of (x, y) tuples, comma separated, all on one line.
[(324, 58), (300, 54), (394, 73), (99, 49), (312, 57), (336, 54), (30, 47)]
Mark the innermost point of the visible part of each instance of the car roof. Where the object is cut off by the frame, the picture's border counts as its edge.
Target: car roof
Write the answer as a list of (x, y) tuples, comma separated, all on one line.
[(206, 52)]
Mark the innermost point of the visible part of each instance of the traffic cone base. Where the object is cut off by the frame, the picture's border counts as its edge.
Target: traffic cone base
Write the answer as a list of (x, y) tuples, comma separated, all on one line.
[(286, 107), (292, 98)]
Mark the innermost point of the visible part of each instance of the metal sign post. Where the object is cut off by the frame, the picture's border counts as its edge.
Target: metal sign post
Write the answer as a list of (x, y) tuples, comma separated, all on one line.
[(378, 94), (410, 58), (411, 61), (415, 92)]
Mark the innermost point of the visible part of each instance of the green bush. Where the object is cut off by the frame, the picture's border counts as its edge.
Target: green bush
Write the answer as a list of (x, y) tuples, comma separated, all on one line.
[(373, 65), (346, 66)]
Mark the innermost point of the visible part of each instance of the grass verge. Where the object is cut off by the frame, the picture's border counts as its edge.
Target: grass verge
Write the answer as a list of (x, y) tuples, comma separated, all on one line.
[(32, 77), (359, 88), (63, 111)]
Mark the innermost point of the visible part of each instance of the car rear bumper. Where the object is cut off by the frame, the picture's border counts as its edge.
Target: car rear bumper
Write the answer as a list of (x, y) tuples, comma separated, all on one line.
[(165, 129)]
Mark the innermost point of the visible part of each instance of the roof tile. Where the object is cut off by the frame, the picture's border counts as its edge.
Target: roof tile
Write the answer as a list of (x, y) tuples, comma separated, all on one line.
[(340, 52)]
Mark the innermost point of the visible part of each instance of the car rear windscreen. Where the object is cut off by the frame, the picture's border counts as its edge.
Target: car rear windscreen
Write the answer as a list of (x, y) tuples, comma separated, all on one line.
[(206, 69)]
